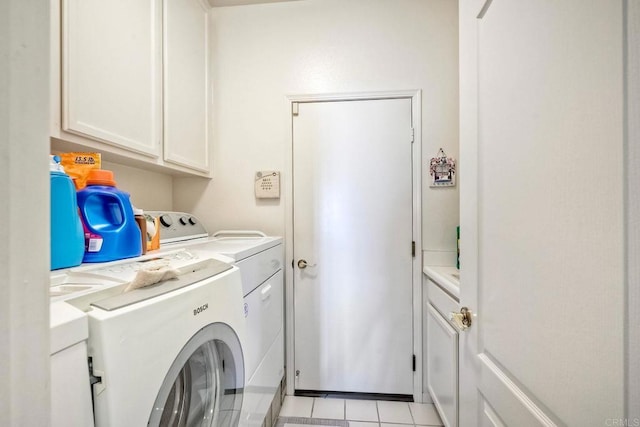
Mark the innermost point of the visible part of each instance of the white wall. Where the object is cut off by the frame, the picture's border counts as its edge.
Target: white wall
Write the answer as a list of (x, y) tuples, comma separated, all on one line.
[(24, 246), (149, 190), (264, 52)]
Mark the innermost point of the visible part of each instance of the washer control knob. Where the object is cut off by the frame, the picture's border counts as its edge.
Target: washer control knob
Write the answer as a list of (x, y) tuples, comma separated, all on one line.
[(183, 220), (193, 221), (166, 220)]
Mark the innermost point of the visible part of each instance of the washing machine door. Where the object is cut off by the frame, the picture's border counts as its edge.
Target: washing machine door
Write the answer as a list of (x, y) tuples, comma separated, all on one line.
[(204, 386)]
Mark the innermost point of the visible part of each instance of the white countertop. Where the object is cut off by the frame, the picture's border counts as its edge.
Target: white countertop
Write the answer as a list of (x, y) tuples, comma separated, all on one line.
[(447, 278)]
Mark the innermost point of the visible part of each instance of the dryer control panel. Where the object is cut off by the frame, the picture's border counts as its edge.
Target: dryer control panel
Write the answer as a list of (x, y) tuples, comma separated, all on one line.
[(177, 226)]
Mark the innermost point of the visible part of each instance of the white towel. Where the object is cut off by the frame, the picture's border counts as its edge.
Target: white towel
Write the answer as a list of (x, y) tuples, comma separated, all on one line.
[(151, 276)]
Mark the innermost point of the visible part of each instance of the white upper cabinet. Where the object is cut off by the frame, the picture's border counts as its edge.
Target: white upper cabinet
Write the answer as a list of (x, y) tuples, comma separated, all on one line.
[(186, 94), (112, 72), (130, 79)]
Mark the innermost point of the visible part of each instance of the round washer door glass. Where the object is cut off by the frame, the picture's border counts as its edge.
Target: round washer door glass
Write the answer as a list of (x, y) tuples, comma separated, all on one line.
[(205, 383)]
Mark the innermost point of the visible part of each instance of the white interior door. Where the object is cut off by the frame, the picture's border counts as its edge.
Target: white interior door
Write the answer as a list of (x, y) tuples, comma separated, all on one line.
[(352, 214), (542, 215)]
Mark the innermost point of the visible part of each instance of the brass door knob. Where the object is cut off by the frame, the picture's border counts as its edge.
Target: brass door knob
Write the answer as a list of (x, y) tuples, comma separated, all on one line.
[(462, 319), (302, 264)]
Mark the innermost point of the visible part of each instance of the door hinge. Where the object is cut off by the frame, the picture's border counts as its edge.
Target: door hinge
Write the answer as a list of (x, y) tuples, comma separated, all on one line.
[(414, 363), (413, 135), (294, 108), (413, 249)]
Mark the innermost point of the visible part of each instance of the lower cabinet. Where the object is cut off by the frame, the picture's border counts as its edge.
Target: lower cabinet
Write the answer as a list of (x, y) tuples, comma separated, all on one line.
[(442, 355)]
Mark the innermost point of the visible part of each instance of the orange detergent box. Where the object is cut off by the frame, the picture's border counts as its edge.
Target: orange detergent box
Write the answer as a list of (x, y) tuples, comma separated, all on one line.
[(78, 165)]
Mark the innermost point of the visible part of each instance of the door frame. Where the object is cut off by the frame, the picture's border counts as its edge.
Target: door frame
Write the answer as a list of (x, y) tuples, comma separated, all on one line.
[(416, 118), (469, 13), (632, 205)]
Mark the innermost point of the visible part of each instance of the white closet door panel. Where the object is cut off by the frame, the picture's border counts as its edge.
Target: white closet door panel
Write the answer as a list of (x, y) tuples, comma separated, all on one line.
[(353, 224), (112, 72), (186, 136)]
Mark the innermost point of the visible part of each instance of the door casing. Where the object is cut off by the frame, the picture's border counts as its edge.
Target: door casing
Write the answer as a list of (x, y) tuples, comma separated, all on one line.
[(287, 188)]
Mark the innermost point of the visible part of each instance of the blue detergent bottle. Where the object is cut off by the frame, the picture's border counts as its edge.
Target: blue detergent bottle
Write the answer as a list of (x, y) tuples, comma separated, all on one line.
[(110, 229), (67, 238)]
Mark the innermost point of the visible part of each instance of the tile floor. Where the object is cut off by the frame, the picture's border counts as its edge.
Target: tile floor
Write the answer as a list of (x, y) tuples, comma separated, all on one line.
[(362, 413)]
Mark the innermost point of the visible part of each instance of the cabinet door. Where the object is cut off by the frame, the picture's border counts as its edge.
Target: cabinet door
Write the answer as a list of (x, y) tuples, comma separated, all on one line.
[(186, 93), (111, 72), (442, 366)]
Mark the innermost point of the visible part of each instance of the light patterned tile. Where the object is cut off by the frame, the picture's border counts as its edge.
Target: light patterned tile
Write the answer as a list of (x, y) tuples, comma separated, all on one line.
[(425, 414), (332, 409), (296, 406), (394, 425), (361, 424), (394, 412), (361, 410)]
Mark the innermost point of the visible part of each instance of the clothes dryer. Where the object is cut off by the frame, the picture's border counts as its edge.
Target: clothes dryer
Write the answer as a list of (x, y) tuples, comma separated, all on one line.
[(260, 259)]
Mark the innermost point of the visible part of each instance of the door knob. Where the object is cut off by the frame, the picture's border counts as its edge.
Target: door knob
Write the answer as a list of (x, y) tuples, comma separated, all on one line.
[(304, 264), (462, 319)]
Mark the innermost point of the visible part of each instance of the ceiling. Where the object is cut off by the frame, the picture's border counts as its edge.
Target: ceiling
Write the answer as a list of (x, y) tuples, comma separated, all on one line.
[(219, 3)]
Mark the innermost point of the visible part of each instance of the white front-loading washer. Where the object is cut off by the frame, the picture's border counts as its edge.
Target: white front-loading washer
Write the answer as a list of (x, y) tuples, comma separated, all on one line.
[(171, 353)]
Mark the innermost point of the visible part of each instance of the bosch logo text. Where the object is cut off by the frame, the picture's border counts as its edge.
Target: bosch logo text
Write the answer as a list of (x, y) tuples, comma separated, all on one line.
[(200, 309)]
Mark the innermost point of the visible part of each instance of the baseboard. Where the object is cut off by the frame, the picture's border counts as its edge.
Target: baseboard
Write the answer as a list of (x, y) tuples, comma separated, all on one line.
[(355, 395)]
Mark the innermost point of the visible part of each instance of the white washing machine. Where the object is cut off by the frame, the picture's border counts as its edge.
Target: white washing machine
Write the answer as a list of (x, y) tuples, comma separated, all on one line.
[(260, 259), (167, 354)]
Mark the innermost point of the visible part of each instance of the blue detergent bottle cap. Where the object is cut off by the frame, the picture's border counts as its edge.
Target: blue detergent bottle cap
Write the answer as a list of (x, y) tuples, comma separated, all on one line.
[(54, 164)]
